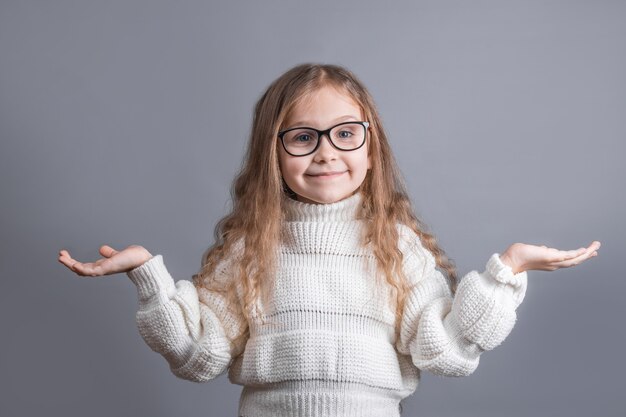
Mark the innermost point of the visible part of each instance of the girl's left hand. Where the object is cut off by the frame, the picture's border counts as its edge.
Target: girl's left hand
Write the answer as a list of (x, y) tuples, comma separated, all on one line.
[(522, 257)]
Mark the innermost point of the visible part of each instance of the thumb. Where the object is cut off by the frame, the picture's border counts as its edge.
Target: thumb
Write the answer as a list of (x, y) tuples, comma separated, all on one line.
[(107, 251)]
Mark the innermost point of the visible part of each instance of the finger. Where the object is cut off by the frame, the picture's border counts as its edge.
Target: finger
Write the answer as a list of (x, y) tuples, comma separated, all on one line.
[(78, 267), (574, 253), (107, 251), (63, 254), (66, 259), (574, 261), (564, 255), (595, 245), (88, 269)]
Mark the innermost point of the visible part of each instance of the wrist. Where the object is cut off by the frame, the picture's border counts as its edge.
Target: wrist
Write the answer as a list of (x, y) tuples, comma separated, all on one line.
[(143, 257), (509, 261), (146, 257)]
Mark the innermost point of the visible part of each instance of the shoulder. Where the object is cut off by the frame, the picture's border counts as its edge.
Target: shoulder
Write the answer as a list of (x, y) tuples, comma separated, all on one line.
[(225, 264), (415, 255), (408, 240)]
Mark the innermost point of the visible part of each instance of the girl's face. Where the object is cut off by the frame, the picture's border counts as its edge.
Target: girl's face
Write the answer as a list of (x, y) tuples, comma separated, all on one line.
[(304, 175)]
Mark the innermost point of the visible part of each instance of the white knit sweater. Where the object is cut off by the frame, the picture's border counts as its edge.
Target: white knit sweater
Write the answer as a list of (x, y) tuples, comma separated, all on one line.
[(330, 349)]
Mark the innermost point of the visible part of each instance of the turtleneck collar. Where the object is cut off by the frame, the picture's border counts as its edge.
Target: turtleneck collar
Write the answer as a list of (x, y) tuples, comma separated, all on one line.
[(343, 210)]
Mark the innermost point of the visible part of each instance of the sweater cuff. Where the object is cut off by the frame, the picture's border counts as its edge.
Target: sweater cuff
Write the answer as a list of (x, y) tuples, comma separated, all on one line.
[(502, 273), (152, 278)]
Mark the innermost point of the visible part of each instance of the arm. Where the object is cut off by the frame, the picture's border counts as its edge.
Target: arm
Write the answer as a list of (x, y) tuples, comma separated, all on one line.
[(187, 326), (446, 335)]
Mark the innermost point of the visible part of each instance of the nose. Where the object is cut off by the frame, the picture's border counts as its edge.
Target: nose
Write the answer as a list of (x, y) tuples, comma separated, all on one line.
[(326, 150)]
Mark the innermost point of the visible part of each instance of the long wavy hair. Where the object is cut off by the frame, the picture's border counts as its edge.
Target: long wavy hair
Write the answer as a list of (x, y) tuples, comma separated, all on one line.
[(251, 233)]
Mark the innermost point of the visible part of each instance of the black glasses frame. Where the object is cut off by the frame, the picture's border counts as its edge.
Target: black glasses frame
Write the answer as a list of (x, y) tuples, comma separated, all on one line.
[(320, 133)]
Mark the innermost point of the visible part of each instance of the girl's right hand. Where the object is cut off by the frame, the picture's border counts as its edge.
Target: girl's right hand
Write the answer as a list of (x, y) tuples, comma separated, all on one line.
[(113, 261)]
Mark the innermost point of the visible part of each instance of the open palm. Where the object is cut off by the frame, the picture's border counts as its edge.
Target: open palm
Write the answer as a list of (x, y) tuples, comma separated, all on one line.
[(113, 261), (524, 257)]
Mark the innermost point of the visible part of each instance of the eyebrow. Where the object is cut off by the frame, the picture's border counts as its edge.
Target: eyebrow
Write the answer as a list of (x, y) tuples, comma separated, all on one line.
[(306, 123)]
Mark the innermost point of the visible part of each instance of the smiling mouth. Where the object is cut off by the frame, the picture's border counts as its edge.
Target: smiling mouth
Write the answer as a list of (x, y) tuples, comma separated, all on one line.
[(329, 175)]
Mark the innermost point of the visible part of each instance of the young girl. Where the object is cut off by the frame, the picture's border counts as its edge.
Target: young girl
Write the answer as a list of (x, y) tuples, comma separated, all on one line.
[(322, 294)]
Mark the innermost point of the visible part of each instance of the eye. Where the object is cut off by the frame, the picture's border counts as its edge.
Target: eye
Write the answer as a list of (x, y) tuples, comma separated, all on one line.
[(302, 138), (344, 134)]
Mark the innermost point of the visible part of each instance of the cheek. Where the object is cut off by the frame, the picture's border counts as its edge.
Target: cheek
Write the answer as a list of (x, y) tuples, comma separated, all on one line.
[(297, 167), (360, 161), (290, 166)]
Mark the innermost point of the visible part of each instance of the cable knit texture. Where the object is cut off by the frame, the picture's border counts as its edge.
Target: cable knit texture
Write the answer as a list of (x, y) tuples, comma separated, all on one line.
[(328, 347)]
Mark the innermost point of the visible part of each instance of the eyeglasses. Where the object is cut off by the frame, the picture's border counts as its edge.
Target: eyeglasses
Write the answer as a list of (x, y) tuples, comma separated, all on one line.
[(302, 141)]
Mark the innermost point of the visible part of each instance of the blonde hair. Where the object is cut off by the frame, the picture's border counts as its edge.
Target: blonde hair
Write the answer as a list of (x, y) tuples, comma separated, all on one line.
[(252, 231)]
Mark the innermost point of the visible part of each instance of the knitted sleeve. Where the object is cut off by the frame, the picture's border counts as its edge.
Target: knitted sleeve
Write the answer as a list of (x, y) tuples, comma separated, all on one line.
[(444, 334), (190, 328)]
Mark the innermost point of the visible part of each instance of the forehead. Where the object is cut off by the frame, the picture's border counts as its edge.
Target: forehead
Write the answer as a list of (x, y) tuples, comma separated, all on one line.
[(323, 105)]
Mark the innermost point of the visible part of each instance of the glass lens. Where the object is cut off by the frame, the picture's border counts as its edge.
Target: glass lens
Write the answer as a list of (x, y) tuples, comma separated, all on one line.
[(347, 136), (300, 141)]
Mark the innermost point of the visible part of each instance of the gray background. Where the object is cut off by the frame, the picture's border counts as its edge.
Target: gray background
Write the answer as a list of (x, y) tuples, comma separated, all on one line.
[(124, 122)]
